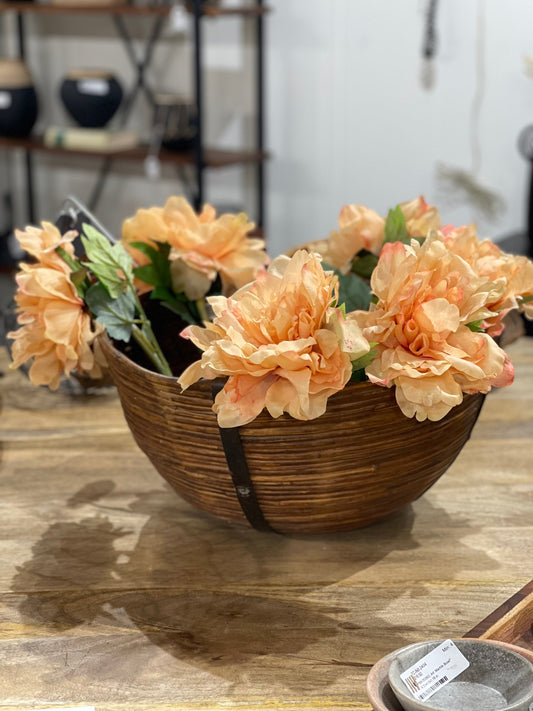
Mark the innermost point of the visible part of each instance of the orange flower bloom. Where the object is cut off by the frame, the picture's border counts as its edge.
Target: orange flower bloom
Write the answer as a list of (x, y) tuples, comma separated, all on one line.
[(280, 341), (42, 243), (420, 217), (513, 274), (202, 246), (522, 285), (362, 228), (55, 330), (426, 297)]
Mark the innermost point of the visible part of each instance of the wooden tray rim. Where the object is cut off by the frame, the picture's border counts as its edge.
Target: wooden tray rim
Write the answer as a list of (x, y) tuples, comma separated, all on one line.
[(509, 622)]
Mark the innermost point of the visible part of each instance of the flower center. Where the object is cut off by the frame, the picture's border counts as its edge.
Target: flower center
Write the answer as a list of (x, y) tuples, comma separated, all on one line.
[(407, 333)]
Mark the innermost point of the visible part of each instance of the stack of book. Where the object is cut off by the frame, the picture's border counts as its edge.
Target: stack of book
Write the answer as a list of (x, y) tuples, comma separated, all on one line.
[(91, 139)]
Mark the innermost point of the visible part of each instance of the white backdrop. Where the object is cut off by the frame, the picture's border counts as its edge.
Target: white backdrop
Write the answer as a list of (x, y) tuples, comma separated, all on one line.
[(349, 120)]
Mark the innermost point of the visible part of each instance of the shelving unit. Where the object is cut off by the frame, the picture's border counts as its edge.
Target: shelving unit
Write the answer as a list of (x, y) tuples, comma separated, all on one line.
[(213, 158), (201, 157)]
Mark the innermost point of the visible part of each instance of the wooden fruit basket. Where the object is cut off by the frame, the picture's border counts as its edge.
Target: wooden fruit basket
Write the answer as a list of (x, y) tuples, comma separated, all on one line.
[(359, 462)]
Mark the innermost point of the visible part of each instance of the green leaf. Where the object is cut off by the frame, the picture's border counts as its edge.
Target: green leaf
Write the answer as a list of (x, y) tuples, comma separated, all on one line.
[(157, 273), (365, 360), (177, 303), (80, 281), (147, 273), (161, 293), (180, 308), (359, 365), (359, 376), (110, 263), (354, 292), (72, 262), (109, 278), (526, 299), (116, 314), (476, 326), (396, 227), (364, 264)]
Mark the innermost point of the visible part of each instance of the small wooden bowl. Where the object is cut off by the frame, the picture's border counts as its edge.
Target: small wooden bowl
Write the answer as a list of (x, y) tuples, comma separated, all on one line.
[(356, 464)]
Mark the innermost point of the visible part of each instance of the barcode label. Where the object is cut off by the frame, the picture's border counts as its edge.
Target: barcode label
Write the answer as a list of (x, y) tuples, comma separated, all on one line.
[(433, 671), (433, 688)]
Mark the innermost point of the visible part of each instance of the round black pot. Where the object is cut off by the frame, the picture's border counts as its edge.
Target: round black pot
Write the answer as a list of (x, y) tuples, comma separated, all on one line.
[(91, 98), (18, 99)]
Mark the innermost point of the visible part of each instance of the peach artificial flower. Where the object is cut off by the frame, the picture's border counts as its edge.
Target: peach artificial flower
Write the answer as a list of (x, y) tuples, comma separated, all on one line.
[(426, 297), (362, 228), (41, 243), (55, 329), (515, 273), (359, 228), (202, 246), (280, 340), (523, 286), (420, 217)]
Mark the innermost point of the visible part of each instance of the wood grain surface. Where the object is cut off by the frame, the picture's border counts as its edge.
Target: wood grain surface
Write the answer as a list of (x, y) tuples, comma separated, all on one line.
[(117, 594)]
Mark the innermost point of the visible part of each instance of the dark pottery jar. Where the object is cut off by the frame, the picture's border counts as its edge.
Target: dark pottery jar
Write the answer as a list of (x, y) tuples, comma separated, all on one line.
[(91, 96), (175, 121), (18, 99)]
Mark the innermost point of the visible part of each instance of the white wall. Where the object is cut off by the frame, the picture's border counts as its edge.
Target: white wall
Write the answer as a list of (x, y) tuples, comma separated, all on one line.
[(348, 119)]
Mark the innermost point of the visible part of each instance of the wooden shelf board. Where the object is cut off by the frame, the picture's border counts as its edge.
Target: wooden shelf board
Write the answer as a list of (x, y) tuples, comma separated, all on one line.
[(118, 9), (214, 158), (225, 11)]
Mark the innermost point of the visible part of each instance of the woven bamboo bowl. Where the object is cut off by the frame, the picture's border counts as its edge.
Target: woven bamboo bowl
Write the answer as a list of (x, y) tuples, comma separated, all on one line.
[(358, 463)]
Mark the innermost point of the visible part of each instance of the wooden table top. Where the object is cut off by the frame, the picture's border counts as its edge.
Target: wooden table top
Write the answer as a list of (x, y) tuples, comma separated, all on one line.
[(117, 594)]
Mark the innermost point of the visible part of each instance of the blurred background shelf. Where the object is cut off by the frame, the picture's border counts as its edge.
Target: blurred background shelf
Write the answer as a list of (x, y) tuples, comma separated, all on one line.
[(213, 157), (121, 9), (191, 164)]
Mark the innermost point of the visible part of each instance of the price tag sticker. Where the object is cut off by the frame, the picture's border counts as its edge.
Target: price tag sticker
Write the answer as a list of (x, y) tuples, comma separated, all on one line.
[(435, 670)]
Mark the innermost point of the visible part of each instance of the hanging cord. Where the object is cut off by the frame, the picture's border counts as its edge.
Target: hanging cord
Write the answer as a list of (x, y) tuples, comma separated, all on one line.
[(461, 184), (479, 94), (429, 46)]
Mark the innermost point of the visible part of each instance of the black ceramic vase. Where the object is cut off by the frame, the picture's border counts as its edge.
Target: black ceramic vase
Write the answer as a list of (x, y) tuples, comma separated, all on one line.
[(91, 97), (18, 99)]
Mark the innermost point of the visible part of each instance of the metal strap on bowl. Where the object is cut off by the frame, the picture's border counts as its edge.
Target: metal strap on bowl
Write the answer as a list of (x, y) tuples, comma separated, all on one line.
[(240, 474)]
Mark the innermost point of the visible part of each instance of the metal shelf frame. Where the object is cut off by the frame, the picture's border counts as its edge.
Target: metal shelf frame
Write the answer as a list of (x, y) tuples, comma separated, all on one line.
[(201, 157)]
